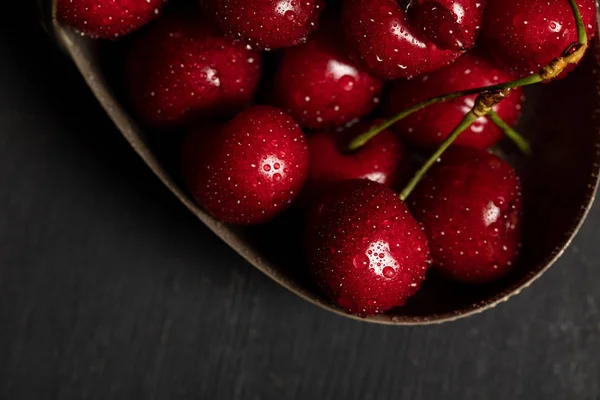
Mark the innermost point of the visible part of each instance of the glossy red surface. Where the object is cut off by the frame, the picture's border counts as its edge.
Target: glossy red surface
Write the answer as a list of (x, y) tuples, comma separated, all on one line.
[(107, 19), (248, 170), (525, 36), (266, 24), (365, 250), (469, 205), (388, 38), (182, 68), (320, 87), (384, 159)]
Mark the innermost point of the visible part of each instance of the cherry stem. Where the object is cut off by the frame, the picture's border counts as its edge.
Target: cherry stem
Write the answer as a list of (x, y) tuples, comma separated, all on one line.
[(363, 138), (510, 133), (581, 33), (467, 121)]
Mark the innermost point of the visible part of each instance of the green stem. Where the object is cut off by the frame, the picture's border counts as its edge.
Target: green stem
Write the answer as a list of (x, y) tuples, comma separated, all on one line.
[(510, 133), (467, 121), (363, 138), (581, 34)]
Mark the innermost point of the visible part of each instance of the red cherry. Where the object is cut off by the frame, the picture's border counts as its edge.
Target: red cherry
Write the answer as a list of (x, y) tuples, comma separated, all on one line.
[(319, 86), (365, 250), (439, 24), (469, 205), (427, 129), (393, 39), (526, 35), (182, 68), (248, 170), (104, 19), (384, 159), (266, 24)]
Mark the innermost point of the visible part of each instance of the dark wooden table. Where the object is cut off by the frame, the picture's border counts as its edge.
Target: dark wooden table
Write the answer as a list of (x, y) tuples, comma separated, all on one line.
[(109, 289)]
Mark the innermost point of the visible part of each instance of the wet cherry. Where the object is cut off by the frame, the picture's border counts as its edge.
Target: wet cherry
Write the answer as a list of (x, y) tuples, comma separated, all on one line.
[(319, 86), (525, 36), (107, 19), (384, 159), (248, 170), (427, 129), (266, 24), (469, 205), (393, 39), (182, 68), (365, 250)]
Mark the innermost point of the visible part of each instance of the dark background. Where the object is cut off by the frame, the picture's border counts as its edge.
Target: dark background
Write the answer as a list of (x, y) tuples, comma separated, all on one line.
[(109, 289)]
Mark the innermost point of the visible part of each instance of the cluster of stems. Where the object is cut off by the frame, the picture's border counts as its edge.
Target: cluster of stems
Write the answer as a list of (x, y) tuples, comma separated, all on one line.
[(488, 97)]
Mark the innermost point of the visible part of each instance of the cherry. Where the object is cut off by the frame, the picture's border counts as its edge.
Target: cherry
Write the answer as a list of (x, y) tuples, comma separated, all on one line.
[(182, 68), (469, 206), (427, 129), (266, 24), (102, 19), (526, 35), (397, 39), (248, 170), (383, 159), (439, 24), (365, 250), (319, 86)]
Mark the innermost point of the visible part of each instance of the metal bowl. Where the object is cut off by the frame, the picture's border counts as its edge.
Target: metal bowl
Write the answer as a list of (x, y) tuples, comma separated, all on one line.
[(560, 183)]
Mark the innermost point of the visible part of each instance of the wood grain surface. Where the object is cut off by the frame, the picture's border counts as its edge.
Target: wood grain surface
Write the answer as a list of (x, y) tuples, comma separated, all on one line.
[(109, 289)]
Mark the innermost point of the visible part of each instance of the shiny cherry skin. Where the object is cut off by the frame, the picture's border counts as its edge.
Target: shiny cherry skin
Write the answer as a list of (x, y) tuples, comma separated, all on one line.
[(248, 170), (450, 24), (525, 36), (107, 19), (320, 87), (384, 159), (182, 68), (428, 128), (266, 24), (393, 38), (365, 250), (469, 206)]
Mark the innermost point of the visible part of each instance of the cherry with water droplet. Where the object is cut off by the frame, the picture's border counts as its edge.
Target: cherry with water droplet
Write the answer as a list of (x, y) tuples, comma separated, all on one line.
[(182, 68), (469, 205), (384, 159), (375, 266), (524, 36), (231, 169), (428, 128), (440, 24), (107, 19), (266, 24), (320, 87)]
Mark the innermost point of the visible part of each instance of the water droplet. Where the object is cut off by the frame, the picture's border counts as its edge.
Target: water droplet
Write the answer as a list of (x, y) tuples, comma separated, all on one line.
[(389, 272), (290, 15), (361, 261), (347, 82)]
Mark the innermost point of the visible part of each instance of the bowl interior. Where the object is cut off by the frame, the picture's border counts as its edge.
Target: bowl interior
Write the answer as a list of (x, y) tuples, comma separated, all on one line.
[(559, 182)]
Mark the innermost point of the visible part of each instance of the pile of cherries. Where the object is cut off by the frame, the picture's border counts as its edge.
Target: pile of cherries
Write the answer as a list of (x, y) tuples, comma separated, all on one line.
[(342, 68)]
